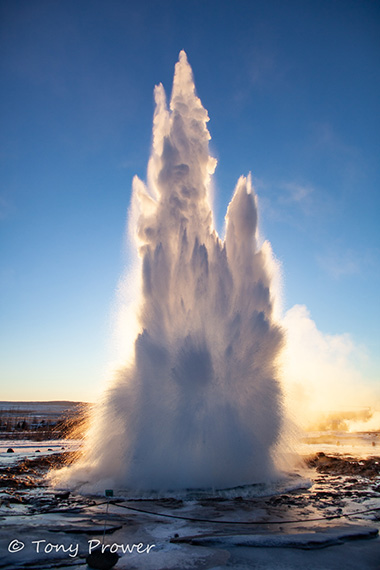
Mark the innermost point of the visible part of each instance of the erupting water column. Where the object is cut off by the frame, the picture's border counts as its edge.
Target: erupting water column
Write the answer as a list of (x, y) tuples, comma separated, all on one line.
[(199, 406)]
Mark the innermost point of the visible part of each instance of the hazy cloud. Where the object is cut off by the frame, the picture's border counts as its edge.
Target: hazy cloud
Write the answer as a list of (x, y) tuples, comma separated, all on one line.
[(293, 192), (286, 201), (339, 262), (327, 137), (348, 160), (263, 69)]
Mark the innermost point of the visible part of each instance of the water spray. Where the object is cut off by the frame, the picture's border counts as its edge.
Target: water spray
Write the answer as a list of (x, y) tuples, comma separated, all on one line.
[(198, 405)]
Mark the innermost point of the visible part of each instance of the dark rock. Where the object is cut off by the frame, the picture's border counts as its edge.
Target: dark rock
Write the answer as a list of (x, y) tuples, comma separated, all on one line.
[(102, 560), (15, 499), (369, 468), (10, 450), (62, 496)]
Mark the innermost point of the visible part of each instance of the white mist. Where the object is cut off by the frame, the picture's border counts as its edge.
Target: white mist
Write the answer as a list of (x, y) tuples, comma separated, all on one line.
[(198, 405)]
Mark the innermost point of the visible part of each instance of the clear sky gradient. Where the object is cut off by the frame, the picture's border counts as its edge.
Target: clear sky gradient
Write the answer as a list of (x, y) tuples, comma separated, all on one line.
[(292, 90)]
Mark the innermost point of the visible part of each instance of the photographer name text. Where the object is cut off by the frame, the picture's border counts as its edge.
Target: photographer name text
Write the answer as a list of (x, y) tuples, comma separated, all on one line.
[(72, 550)]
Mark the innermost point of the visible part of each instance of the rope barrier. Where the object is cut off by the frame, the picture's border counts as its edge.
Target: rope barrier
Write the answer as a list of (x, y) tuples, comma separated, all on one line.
[(193, 519), (316, 519)]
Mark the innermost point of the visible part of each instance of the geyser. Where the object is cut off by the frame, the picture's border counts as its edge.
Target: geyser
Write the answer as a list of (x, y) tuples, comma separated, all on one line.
[(198, 405)]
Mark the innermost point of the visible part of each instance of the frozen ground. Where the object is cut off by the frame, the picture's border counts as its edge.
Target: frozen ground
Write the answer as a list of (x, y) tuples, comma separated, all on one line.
[(29, 449), (357, 444), (325, 518)]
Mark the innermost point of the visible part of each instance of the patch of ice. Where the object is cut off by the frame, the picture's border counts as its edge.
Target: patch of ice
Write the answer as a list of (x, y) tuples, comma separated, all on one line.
[(304, 540), (27, 449)]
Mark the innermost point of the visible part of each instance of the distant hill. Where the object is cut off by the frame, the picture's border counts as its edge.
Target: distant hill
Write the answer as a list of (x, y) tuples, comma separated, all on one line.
[(47, 410), (13, 403), (41, 419)]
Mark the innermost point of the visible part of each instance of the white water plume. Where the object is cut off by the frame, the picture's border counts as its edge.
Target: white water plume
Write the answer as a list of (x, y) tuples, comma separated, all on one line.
[(198, 405)]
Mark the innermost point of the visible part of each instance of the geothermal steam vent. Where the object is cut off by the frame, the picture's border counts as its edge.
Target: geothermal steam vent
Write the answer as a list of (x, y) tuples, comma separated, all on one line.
[(199, 404)]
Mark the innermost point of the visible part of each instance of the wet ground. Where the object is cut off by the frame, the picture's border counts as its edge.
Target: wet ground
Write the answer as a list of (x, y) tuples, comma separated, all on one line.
[(326, 516)]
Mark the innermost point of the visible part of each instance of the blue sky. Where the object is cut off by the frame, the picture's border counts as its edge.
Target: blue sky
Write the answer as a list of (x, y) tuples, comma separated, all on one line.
[(292, 91)]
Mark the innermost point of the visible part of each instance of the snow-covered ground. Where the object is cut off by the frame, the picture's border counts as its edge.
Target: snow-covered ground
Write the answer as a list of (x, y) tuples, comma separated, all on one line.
[(357, 444), (28, 449)]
